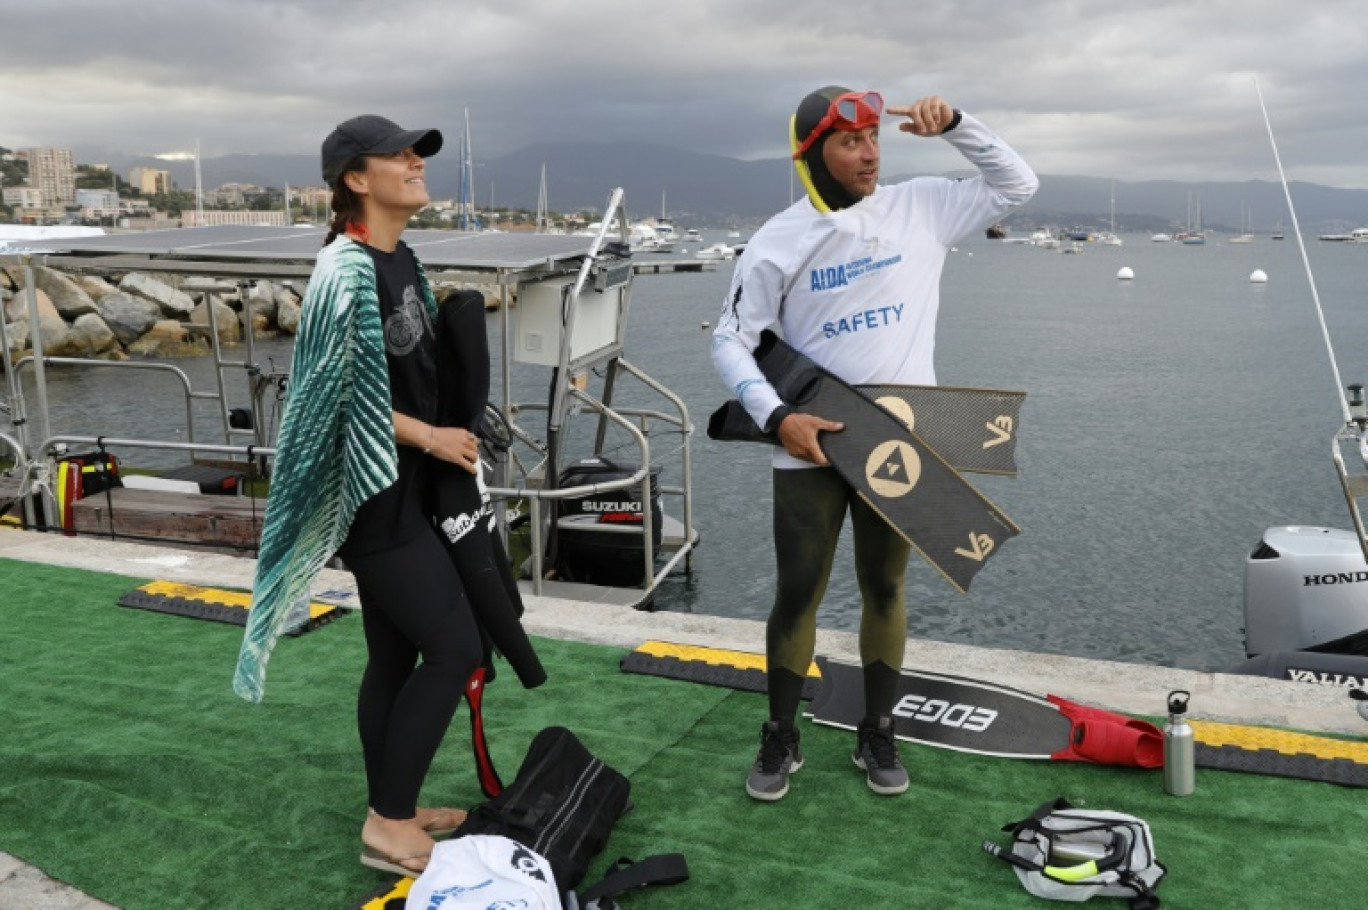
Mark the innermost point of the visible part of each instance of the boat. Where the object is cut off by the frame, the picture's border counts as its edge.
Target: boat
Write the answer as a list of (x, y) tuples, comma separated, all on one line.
[(1245, 235), (1109, 237), (733, 235), (1193, 236), (572, 296), (1306, 587), (692, 236), (1044, 239), (466, 217), (1161, 237), (1073, 248), (716, 251), (996, 232), (643, 238), (1358, 235), (666, 235)]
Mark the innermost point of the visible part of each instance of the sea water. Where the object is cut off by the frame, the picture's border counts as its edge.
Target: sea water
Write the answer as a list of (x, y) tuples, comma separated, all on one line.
[(1169, 421)]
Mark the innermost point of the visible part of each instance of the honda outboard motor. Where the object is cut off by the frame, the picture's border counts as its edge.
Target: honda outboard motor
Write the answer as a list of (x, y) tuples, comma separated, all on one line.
[(1306, 589)]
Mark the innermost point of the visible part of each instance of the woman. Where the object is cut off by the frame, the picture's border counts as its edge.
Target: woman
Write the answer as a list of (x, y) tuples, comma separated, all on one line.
[(357, 449)]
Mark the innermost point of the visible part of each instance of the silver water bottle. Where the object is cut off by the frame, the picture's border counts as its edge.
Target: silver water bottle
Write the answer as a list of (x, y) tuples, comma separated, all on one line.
[(1180, 747)]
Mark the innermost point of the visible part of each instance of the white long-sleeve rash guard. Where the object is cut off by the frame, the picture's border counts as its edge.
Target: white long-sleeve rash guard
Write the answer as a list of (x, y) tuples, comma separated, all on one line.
[(858, 290)]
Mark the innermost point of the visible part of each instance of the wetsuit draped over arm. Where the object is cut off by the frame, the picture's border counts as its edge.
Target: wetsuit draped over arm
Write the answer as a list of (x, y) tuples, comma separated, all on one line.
[(464, 511)]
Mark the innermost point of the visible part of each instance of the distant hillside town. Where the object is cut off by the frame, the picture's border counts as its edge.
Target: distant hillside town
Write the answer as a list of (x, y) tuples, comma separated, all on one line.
[(45, 186)]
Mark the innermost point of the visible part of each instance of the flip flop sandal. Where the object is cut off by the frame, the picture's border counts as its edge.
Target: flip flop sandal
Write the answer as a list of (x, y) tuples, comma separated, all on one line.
[(385, 863)]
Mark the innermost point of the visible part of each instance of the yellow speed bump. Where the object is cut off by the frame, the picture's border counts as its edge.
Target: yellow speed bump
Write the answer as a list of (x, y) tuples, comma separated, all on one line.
[(1210, 733), (738, 660), (215, 604)]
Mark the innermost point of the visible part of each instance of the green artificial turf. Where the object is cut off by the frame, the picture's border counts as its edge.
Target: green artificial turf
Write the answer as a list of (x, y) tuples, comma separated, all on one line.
[(129, 769)]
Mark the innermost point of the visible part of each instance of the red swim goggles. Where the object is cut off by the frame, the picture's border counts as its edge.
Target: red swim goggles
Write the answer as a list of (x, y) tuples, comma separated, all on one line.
[(851, 111)]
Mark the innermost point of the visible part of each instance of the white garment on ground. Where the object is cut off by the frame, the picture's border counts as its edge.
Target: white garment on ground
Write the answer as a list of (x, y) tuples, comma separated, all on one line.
[(484, 872)]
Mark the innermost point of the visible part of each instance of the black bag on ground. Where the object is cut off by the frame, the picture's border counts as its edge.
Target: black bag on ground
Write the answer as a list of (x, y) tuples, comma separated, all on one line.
[(563, 804)]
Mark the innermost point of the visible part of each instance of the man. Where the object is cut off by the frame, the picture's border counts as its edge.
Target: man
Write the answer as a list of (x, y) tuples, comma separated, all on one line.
[(850, 276)]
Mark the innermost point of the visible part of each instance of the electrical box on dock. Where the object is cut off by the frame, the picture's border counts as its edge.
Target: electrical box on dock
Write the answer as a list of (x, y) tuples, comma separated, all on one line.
[(542, 310)]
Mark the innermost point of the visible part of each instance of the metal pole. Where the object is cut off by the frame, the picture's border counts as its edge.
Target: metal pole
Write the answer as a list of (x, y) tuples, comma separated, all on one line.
[(36, 342), (16, 402)]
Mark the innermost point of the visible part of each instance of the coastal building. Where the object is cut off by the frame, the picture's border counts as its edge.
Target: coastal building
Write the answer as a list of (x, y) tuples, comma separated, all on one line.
[(23, 197), (150, 181), (52, 171), (310, 196), (234, 194), (99, 203), (314, 202), (213, 217)]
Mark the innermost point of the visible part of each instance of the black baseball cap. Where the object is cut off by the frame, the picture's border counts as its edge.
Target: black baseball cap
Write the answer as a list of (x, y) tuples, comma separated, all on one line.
[(372, 135)]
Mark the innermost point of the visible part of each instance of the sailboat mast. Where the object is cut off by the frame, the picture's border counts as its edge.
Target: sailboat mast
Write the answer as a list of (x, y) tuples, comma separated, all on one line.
[(467, 178), (199, 189), (542, 207)]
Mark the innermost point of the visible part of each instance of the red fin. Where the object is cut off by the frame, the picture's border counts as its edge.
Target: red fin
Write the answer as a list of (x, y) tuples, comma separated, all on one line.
[(1105, 738)]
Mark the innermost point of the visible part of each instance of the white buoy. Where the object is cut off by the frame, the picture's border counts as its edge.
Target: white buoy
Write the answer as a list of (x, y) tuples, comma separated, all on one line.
[(1258, 276), (1125, 273)]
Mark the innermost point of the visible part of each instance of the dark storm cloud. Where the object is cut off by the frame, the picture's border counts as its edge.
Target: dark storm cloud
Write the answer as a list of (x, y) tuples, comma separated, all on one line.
[(1133, 91)]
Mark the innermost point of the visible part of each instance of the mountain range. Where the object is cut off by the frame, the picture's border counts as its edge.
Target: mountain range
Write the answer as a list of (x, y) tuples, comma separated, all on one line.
[(697, 189)]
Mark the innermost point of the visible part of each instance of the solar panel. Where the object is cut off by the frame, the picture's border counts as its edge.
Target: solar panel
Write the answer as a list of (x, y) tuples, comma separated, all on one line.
[(443, 249)]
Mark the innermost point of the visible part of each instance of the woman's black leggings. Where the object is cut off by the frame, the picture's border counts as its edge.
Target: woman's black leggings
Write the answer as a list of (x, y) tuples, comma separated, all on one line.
[(413, 606)]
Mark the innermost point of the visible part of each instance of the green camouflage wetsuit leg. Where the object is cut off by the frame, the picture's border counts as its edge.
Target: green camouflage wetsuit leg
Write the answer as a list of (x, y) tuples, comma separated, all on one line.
[(809, 508)]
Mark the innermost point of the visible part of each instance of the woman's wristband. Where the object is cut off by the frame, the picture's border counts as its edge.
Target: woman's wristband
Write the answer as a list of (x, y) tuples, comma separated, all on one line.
[(432, 435)]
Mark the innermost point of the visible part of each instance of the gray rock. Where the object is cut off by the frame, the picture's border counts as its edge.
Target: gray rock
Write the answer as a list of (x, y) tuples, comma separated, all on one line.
[(18, 306), (286, 293), (67, 296), (173, 303), (261, 326), (94, 334), (209, 284), (17, 333), (287, 313), (127, 316), (492, 294), (262, 297), (229, 329), (97, 288), (59, 340), (168, 338)]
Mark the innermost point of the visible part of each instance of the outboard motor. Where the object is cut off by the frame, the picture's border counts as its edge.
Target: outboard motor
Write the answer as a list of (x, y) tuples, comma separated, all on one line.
[(1306, 589)]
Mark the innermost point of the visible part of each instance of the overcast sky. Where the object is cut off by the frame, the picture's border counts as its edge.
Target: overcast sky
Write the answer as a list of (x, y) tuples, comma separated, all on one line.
[(1131, 90)]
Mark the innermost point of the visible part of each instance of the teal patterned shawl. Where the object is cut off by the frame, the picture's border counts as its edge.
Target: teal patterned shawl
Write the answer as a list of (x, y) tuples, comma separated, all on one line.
[(336, 446)]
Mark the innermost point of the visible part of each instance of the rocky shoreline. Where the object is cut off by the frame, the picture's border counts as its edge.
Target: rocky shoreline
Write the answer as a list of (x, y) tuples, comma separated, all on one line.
[(140, 315)]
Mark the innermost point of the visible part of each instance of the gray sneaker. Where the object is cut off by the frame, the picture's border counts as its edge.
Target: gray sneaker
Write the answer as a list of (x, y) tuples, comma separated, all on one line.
[(779, 757), (876, 754)]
